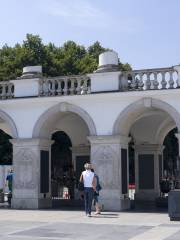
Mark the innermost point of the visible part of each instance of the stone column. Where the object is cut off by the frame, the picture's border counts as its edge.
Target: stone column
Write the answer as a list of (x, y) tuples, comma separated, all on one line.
[(109, 156), (148, 171), (32, 173)]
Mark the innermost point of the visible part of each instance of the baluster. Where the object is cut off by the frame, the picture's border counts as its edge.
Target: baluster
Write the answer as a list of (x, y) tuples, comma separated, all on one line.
[(171, 80), (163, 82), (12, 90), (41, 90), (134, 82), (9, 90), (78, 89), (88, 86), (129, 79), (53, 90), (72, 89), (59, 88), (140, 81), (46, 87), (177, 70), (3, 94), (65, 90), (84, 86), (148, 82), (155, 81)]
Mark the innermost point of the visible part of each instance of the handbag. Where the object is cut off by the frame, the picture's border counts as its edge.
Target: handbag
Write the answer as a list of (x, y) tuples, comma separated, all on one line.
[(81, 186), (98, 187)]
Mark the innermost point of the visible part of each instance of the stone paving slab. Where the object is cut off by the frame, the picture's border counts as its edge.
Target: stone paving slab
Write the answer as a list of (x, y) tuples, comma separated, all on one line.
[(69, 225)]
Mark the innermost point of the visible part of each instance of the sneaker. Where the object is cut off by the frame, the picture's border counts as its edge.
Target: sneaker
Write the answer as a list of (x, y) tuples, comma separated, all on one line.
[(89, 215), (96, 213)]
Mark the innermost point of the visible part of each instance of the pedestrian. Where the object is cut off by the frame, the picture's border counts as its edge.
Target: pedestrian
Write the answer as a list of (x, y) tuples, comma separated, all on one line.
[(9, 183), (9, 180), (96, 194), (88, 178)]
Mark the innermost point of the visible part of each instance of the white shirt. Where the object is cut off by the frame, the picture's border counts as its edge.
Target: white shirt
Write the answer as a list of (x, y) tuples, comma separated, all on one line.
[(88, 178)]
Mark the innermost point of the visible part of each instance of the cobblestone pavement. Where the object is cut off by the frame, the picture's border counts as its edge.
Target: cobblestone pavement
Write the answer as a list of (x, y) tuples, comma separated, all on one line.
[(68, 225)]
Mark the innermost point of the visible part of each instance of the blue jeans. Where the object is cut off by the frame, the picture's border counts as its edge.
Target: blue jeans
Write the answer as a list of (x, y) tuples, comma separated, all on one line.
[(88, 198)]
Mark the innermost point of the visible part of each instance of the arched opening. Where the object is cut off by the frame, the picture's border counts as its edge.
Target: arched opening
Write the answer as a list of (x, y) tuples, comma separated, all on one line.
[(68, 126), (153, 150), (62, 169), (7, 132), (170, 155)]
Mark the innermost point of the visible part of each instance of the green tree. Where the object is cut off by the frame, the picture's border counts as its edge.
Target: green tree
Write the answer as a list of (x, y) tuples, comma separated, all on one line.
[(70, 58)]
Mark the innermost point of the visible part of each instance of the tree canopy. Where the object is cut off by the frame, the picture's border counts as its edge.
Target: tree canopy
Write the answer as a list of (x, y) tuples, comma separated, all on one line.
[(70, 58)]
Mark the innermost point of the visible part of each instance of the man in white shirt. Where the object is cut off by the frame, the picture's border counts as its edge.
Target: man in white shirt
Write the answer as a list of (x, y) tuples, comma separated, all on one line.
[(89, 180)]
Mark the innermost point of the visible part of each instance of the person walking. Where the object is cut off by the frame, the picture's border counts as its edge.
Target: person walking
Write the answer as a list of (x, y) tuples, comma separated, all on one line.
[(96, 194), (9, 183), (9, 180), (88, 178)]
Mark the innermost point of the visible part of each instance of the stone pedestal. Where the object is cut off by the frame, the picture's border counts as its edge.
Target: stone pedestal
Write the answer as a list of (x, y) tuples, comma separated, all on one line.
[(109, 156), (148, 171), (174, 205), (32, 173)]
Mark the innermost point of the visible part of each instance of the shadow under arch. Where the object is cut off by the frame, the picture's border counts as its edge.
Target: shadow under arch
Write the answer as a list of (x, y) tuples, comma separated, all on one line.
[(10, 122), (63, 107), (128, 116)]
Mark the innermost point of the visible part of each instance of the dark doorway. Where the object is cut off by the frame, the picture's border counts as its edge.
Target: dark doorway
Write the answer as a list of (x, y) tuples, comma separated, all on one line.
[(62, 169), (170, 155)]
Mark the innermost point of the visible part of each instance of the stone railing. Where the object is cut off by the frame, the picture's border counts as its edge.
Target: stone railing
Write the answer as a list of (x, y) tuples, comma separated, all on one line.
[(135, 80), (150, 79), (6, 90), (67, 85)]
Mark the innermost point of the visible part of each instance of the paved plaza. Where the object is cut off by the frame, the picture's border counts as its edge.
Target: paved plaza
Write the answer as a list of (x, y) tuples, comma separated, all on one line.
[(68, 225)]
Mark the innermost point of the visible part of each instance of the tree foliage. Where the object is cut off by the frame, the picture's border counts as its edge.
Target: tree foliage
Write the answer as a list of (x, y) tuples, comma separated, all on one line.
[(70, 58)]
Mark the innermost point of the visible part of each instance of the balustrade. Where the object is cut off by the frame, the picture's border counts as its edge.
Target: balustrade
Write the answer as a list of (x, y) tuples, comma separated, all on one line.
[(6, 90), (135, 80), (71, 85), (152, 79)]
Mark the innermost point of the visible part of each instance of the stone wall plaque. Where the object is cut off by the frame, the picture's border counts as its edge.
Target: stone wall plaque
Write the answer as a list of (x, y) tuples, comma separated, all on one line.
[(124, 170), (146, 171), (25, 169), (105, 159), (160, 167), (44, 172)]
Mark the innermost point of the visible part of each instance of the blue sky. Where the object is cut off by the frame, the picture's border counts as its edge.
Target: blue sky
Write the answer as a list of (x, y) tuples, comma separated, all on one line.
[(145, 33)]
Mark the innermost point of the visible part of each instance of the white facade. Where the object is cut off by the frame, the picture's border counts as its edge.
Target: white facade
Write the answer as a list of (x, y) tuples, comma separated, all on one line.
[(99, 120)]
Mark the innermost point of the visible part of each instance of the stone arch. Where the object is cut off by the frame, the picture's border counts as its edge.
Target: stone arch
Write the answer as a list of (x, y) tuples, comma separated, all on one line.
[(64, 107), (10, 123), (127, 117)]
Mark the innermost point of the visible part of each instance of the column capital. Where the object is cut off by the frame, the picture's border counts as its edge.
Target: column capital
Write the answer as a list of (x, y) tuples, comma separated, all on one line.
[(113, 139), (21, 142)]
